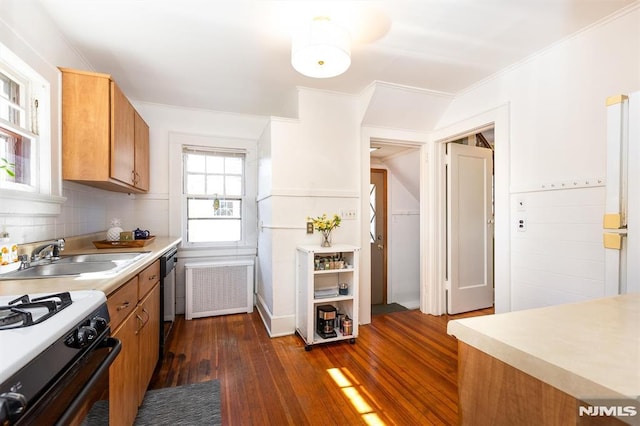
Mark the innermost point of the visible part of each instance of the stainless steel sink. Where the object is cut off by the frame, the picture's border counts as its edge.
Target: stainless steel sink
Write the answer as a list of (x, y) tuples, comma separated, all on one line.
[(58, 270), (102, 257), (77, 264)]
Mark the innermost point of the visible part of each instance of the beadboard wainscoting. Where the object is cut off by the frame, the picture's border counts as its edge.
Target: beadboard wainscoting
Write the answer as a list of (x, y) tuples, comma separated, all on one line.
[(558, 256)]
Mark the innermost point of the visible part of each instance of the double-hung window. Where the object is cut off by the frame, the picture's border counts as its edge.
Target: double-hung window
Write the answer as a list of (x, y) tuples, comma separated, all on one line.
[(18, 131), (213, 195)]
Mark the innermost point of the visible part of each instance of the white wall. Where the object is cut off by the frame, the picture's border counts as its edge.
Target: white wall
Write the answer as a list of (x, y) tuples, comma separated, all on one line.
[(558, 258), (160, 209), (557, 136), (28, 32), (313, 171), (404, 230), (153, 209)]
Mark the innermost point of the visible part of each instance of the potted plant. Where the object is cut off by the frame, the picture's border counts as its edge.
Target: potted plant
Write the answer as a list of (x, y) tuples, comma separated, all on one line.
[(7, 167)]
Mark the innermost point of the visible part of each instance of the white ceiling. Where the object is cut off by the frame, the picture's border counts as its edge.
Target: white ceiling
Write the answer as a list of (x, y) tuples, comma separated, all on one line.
[(234, 55)]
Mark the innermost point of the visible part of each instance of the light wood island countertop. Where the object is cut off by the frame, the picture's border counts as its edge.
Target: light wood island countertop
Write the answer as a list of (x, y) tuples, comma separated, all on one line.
[(589, 350)]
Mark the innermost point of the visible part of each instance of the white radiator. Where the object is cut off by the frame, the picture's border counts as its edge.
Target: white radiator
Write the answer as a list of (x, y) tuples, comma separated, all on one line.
[(218, 288)]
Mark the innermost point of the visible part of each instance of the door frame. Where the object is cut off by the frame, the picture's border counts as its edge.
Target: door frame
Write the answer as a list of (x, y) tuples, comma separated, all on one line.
[(385, 251), (432, 203), (434, 296), (385, 135)]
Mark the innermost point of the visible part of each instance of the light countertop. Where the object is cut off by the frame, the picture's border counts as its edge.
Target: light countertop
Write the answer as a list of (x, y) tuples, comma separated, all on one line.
[(588, 350), (107, 284)]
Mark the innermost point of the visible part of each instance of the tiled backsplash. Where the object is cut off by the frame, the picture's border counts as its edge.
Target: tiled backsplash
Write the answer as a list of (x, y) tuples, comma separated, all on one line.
[(87, 210)]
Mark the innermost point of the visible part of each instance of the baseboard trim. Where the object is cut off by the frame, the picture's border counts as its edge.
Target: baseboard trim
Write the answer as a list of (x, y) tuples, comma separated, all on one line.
[(276, 326)]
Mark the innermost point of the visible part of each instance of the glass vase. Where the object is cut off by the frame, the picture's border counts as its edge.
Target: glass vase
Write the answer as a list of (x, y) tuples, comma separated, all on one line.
[(326, 239)]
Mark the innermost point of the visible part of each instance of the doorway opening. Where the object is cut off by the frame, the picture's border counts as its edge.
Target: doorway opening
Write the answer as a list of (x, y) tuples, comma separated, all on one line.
[(469, 220), (394, 226)]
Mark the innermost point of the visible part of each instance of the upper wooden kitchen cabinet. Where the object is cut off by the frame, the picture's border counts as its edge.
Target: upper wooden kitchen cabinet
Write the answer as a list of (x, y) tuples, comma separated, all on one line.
[(141, 152), (105, 142)]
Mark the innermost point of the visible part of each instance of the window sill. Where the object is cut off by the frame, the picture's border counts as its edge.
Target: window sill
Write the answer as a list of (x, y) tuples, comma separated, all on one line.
[(29, 203)]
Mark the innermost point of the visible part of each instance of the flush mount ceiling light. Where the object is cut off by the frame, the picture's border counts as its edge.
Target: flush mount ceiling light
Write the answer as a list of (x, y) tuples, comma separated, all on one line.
[(321, 50)]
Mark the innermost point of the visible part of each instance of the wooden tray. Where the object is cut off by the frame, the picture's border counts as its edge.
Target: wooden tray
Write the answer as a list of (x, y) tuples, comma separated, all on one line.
[(104, 244)]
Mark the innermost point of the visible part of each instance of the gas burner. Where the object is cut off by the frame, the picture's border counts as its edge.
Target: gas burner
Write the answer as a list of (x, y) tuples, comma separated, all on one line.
[(25, 311)]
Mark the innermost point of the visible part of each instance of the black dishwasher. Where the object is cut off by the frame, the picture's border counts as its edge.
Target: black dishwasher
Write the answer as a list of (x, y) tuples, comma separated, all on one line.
[(168, 262)]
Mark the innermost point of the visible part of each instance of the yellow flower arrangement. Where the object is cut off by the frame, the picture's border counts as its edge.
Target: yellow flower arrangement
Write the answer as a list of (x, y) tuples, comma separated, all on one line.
[(325, 226), (323, 223)]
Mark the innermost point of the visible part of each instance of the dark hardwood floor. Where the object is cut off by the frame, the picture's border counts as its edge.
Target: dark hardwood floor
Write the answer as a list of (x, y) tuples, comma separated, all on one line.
[(402, 370)]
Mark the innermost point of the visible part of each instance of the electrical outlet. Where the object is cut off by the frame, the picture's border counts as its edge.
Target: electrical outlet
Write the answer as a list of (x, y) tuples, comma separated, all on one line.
[(522, 224), (348, 214), (309, 227)]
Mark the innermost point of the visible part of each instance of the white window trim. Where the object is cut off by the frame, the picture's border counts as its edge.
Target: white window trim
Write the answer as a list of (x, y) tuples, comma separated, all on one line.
[(34, 141), (177, 213), (43, 197), (243, 198)]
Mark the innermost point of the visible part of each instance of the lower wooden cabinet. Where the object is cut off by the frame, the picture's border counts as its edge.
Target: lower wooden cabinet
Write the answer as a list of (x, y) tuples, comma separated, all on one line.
[(148, 315), (123, 392), (134, 310)]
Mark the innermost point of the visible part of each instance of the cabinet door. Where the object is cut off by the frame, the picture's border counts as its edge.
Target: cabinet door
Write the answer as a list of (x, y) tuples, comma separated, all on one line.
[(86, 123), (123, 385), (122, 137), (141, 153), (148, 315)]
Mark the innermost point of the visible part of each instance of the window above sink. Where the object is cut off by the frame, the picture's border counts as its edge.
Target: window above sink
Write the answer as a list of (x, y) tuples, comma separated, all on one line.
[(29, 179)]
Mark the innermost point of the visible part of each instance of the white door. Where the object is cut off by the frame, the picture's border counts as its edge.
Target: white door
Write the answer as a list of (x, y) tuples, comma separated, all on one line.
[(469, 228)]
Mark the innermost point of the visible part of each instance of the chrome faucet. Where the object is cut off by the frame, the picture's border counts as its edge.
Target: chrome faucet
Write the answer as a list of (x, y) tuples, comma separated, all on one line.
[(25, 263), (49, 250)]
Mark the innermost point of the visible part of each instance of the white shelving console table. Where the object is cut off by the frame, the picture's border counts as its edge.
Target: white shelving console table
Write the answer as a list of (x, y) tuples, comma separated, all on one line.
[(312, 277)]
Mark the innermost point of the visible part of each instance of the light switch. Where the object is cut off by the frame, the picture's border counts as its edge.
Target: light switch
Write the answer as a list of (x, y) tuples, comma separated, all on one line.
[(348, 214)]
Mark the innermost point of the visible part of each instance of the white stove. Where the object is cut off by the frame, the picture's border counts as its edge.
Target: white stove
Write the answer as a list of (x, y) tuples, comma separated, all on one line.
[(21, 343), (54, 346)]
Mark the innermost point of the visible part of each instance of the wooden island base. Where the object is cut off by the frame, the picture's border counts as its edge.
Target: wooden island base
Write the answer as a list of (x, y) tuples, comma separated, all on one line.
[(494, 393)]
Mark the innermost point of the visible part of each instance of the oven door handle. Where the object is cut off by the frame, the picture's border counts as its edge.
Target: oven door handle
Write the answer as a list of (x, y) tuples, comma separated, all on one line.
[(109, 342)]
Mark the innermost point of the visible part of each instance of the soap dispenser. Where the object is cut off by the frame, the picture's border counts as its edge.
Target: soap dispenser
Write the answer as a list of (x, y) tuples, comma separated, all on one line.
[(8, 250)]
